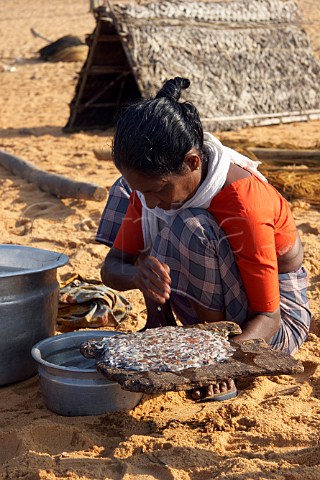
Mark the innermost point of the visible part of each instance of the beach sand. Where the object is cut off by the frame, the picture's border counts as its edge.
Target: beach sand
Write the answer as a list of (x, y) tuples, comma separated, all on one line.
[(270, 431)]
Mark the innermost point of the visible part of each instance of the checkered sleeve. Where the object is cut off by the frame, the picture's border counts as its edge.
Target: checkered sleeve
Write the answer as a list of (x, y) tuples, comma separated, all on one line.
[(114, 212)]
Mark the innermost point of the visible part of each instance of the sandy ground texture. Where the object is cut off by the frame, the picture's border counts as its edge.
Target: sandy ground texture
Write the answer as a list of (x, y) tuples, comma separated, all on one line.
[(270, 431)]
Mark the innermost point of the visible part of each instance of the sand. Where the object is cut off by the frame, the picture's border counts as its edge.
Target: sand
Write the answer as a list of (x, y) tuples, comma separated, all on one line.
[(270, 431)]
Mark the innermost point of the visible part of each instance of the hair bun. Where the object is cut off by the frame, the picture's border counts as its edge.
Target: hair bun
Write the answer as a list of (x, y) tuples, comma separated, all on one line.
[(172, 88)]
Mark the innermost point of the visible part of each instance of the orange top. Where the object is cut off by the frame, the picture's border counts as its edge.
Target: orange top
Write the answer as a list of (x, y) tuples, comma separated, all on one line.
[(130, 237), (259, 225)]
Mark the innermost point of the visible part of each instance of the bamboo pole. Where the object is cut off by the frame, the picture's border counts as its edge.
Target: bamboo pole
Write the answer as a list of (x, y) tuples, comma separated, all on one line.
[(58, 185), (279, 155)]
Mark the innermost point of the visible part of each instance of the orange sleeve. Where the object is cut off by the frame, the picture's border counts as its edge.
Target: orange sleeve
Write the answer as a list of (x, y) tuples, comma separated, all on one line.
[(130, 238), (253, 244), (250, 232)]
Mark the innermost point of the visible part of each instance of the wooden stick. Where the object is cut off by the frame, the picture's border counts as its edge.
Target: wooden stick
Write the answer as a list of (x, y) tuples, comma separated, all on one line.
[(286, 155), (58, 185)]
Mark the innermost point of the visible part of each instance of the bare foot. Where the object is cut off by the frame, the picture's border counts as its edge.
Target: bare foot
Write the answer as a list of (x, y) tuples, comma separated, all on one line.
[(221, 387)]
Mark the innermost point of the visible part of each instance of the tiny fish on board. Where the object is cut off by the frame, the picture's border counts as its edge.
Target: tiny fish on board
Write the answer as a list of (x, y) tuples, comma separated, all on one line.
[(164, 349)]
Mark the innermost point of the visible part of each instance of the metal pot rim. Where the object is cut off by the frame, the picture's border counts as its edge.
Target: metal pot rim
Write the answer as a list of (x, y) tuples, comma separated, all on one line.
[(57, 259), (36, 349)]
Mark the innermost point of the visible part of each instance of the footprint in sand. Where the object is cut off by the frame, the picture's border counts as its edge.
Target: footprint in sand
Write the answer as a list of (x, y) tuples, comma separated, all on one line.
[(309, 370), (41, 209), (308, 376), (61, 439), (26, 387), (11, 446), (24, 223), (306, 457), (307, 228)]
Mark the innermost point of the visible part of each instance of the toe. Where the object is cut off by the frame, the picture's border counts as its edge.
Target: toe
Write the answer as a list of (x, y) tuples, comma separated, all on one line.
[(216, 388), (230, 383), (196, 394), (223, 387), (210, 390)]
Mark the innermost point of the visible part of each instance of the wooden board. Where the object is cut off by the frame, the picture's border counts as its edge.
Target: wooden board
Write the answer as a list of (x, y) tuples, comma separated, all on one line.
[(252, 358)]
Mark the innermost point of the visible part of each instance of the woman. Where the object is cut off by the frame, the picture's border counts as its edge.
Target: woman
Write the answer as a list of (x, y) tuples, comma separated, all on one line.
[(204, 233)]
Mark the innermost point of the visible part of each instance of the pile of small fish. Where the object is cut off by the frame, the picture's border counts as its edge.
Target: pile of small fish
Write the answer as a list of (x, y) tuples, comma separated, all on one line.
[(164, 349)]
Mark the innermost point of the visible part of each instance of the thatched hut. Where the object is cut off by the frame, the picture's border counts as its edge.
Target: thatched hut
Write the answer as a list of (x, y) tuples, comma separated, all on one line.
[(250, 63)]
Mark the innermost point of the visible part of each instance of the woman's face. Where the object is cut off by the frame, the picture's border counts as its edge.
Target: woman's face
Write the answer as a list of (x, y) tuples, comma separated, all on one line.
[(167, 191)]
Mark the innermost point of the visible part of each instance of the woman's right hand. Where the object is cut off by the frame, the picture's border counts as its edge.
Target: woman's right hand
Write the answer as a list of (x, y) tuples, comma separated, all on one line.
[(153, 279)]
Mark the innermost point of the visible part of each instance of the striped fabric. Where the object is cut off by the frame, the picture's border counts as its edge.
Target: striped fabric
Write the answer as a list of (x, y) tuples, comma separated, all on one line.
[(203, 269), (114, 211), (295, 313)]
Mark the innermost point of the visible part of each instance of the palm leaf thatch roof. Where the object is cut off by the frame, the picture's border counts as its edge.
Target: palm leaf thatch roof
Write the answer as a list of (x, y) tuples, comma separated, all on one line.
[(250, 63)]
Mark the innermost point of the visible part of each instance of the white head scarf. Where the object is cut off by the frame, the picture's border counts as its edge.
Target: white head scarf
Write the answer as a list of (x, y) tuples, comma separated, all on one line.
[(219, 159)]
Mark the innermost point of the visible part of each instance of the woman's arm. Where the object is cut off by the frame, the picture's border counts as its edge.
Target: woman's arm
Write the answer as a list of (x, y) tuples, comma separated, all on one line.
[(123, 271), (118, 270), (259, 324)]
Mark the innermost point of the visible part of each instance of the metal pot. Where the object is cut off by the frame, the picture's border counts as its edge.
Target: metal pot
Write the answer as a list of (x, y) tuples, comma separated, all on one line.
[(29, 296), (71, 384)]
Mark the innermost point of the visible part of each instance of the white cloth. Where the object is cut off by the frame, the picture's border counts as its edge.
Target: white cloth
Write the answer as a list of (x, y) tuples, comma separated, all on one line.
[(219, 159)]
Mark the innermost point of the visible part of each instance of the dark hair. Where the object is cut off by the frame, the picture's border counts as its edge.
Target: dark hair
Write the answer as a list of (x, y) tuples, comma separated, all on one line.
[(153, 136)]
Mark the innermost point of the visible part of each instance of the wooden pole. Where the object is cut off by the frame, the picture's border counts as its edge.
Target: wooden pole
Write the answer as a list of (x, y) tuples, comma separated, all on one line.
[(58, 185), (285, 155)]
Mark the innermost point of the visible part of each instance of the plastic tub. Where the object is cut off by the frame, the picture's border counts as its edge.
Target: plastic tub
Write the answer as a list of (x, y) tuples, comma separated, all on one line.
[(70, 383)]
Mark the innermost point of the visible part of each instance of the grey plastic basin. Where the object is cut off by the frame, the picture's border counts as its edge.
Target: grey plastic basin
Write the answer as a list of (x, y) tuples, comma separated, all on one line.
[(29, 293), (70, 383)]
